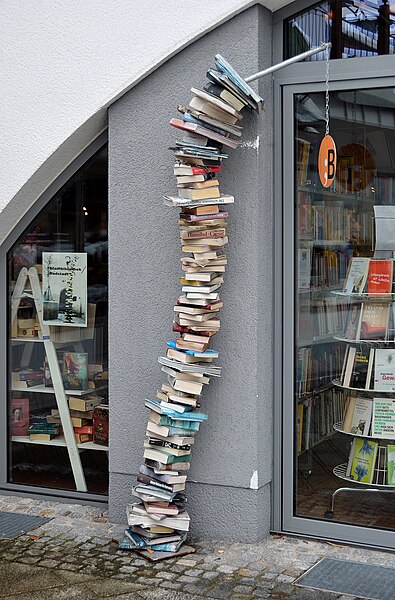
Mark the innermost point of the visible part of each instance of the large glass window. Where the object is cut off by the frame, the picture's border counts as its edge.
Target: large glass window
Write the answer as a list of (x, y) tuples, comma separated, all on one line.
[(354, 28), (344, 391), (58, 348)]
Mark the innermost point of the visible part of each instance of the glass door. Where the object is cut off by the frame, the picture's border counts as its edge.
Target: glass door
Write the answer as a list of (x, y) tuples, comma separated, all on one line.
[(339, 374)]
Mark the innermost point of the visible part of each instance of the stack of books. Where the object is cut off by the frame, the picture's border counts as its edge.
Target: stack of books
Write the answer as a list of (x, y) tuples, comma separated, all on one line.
[(43, 432), (209, 125)]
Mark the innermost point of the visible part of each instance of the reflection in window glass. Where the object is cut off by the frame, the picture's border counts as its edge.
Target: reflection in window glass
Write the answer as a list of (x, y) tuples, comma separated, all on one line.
[(355, 29)]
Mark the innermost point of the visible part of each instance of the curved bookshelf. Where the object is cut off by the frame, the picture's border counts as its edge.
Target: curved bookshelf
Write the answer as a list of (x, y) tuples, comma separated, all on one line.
[(348, 341), (338, 428), (365, 296), (340, 472), (338, 384)]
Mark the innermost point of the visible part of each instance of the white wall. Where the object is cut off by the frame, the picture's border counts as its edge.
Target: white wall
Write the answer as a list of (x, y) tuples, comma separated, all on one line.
[(64, 61)]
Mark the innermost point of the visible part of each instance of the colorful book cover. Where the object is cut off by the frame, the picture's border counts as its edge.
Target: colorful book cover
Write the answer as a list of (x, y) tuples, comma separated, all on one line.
[(357, 276), (100, 425), (75, 370), (391, 464), (362, 460), (19, 417), (383, 421), (380, 277), (374, 321), (359, 376), (358, 416), (384, 370)]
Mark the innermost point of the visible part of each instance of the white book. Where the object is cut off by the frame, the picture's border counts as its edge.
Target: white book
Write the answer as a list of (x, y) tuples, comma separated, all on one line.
[(358, 416), (357, 276), (384, 370), (349, 367)]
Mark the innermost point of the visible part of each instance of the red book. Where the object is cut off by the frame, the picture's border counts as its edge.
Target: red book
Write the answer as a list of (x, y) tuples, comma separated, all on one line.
[(88, 429), (380, 277)]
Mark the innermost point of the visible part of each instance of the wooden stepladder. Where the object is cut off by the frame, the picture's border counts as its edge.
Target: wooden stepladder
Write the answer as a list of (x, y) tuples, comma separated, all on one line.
[(56, 376)]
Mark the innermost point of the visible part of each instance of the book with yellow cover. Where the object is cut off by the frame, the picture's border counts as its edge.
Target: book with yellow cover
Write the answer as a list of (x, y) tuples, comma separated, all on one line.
[(362, 460)]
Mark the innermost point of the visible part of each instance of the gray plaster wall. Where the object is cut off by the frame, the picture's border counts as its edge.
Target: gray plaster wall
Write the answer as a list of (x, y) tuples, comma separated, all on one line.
[(230, 477)]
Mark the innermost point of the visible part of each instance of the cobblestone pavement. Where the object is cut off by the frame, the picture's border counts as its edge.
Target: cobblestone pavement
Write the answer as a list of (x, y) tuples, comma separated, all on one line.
[(75, 556)]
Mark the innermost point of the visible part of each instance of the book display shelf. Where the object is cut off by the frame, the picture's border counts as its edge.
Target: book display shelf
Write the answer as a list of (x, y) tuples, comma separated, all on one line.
[(345, 348), (368, 380), (72, 423)]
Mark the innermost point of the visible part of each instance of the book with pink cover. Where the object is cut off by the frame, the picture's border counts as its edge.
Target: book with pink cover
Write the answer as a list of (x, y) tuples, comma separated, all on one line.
[(19, 417)]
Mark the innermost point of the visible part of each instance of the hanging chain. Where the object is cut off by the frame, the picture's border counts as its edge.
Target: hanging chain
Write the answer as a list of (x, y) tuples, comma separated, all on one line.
[(327, 91)]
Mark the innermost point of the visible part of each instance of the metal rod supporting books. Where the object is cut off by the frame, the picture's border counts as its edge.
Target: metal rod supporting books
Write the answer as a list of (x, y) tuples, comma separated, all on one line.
[(289, 61)]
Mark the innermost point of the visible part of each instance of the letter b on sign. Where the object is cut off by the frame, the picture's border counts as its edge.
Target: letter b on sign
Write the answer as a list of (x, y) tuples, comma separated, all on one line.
[(327, 159)]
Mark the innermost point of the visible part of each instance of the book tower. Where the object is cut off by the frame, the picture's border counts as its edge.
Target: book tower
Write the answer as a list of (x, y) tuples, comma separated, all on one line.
[(158, 521)]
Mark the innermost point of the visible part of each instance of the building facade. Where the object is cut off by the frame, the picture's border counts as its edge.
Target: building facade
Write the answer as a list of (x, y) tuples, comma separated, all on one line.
[(268, 457)]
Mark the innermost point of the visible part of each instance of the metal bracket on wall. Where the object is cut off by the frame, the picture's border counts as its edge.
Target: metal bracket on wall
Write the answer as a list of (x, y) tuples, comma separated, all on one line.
[(289, 61)]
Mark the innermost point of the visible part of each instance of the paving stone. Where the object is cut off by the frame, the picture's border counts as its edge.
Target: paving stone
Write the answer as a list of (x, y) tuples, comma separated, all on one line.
[(285, 579), (225, 569), (210, 575), (243, 589), (187, 562), (221, 590), (50, 564), (194, 572), (166, 576), (186, 579), (171, 585)]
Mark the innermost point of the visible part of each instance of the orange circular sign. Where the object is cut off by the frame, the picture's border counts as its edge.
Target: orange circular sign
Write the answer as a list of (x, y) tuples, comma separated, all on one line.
[(327, 159)]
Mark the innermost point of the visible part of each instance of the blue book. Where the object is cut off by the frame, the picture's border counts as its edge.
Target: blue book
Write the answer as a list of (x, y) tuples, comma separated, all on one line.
[(156, 406), (188, 118), (209, 353), (134, 539), (223, 66)]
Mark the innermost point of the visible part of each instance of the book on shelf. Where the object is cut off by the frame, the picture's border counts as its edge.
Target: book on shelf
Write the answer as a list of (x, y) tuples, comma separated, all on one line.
[(361, 362), (384, 370), (375, 321), (316, 417), (362, 460), (383, 419), (353, 323), (391, 464), (101, 424), (20, 417), (75, 370), (380, 277), (83, 438), (85, 404), (357, 275), (304, 268), (358, 415), (302, 159)]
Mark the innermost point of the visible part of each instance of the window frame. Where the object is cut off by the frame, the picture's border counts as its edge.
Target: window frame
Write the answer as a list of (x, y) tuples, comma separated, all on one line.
[(304, 78), (10, 240)]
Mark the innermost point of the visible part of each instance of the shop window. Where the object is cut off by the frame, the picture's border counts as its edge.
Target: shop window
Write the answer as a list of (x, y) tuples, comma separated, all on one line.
[(57, 339), (355, 29), (344, 411)]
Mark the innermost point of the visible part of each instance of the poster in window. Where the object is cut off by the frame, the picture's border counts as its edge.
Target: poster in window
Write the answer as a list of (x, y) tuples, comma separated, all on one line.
[(65, 288)]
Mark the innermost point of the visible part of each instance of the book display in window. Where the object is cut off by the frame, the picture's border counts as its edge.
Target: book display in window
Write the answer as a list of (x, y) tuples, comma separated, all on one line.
[(368, 380), (62, 396)]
